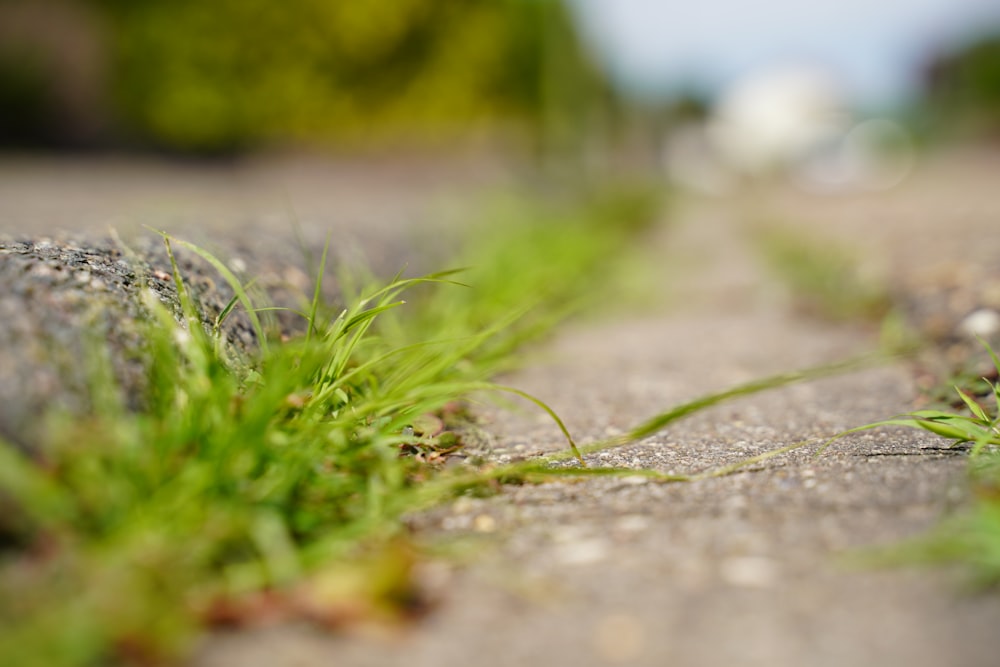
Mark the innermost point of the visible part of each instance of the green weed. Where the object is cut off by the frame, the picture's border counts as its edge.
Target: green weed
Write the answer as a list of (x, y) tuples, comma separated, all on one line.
[(979, 428)]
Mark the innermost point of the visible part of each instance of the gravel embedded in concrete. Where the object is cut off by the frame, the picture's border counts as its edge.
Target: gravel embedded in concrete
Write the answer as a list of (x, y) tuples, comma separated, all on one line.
[(749, 569)]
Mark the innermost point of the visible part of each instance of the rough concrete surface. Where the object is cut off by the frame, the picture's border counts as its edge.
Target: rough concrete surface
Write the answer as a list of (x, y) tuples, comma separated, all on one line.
[(747, 569), (76, 257), (743, 570)]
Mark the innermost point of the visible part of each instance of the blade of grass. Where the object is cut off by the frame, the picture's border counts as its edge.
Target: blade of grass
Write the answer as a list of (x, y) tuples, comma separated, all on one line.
[(234, 284), (662, 420), (319, 272)]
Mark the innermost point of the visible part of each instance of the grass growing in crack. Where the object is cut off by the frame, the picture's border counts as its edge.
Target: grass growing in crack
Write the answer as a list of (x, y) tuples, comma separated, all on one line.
[(826, 282), (823, 277), (973, 537), (275, 489)]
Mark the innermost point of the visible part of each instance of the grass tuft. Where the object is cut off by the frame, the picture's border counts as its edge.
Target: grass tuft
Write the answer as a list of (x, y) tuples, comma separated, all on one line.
[(274, 485), (824, 278), (973, 537)]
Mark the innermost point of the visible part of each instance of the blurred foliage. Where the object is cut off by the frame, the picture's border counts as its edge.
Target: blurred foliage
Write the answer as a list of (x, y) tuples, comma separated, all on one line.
[(51, 73), (24, 98), (221, 75), (824, 279), (962, 90)]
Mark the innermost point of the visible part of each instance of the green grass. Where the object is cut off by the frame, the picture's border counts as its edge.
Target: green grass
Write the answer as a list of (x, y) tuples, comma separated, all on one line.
[(277, 482), (825, 281), (972, 537), (823, 277)]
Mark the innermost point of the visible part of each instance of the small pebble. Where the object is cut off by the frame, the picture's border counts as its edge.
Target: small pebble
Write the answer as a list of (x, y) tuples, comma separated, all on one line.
[(484, 523), (749, 571), (632, 523), (619, 638), (635, 480), (463, 505), (983, 323), (582, 552)]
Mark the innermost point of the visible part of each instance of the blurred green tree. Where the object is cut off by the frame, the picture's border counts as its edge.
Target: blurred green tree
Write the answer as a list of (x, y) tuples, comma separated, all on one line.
[(962, 91), (221, 75)]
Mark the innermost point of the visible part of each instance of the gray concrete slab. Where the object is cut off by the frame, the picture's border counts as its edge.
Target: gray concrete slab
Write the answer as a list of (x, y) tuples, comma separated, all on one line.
[(743, 570)]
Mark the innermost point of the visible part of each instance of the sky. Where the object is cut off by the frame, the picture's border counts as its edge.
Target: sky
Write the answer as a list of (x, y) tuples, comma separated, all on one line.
[(874, 48)]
